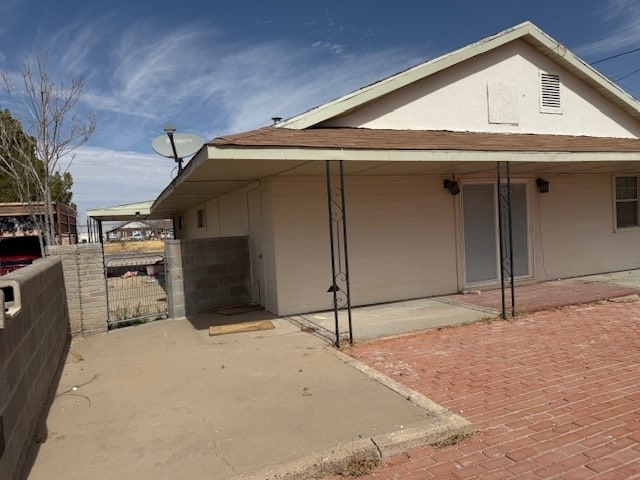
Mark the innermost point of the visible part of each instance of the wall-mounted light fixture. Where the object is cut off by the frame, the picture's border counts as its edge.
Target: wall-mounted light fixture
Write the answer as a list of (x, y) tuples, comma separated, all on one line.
[(543, 185), (452, 186)]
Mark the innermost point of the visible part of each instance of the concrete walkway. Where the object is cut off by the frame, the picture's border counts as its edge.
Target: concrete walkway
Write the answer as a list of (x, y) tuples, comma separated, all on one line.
[(166, 401)]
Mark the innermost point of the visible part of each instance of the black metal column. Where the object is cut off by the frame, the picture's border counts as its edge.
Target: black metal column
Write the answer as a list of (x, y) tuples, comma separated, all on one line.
[(340, 283), (501, 239), (100, 233), (506, 251), (509, 215)]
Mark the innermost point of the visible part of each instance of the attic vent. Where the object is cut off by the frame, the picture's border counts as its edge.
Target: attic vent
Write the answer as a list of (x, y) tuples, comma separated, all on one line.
[(550, 93)]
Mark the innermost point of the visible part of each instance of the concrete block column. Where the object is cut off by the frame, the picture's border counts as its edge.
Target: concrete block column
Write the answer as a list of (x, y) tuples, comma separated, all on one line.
[(175, 278), (205, 274), (85, 284)]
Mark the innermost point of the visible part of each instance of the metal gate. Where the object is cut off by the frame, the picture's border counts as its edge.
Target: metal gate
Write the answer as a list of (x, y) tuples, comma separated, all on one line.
[(136, 291)]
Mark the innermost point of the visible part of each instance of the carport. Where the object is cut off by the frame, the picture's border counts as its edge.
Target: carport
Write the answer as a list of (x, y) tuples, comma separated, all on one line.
[(119, 213)]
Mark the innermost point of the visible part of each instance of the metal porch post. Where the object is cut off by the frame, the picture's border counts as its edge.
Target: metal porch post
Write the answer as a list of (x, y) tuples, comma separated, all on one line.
[(501, 227), (346, 253), (509, 210), (334, 287), (339, 251), (500, 242)]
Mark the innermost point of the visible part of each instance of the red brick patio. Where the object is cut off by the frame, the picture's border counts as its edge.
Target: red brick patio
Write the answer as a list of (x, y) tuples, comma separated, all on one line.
[(546, 295), (555, 394)]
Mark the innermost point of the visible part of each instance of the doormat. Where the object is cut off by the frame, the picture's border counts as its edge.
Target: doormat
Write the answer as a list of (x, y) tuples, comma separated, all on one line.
[(241, 327), (238, 309)]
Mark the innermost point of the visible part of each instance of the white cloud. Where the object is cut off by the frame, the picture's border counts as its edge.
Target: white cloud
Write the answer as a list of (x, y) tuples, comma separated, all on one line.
[(104, 177), (625, 15), (191, 75)]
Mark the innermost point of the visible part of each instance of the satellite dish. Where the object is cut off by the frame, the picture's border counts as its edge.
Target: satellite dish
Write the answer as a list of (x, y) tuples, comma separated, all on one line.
[(186, 145)]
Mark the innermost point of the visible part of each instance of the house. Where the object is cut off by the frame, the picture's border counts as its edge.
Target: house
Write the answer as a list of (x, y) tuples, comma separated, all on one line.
[(130, 231), (131, 219), (421, 152)]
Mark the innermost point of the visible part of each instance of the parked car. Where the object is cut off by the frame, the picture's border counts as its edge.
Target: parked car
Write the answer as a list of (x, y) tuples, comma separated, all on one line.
[(18, 252), (137, 236)]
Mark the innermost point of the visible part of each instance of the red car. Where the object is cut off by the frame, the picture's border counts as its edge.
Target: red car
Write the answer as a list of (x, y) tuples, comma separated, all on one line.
[(18, 252)]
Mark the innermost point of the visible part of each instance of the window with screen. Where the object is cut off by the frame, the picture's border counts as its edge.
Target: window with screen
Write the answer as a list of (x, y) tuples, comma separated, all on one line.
[(626, 202)]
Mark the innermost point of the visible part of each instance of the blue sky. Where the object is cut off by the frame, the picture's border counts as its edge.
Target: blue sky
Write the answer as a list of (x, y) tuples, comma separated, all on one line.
[(214, 67)]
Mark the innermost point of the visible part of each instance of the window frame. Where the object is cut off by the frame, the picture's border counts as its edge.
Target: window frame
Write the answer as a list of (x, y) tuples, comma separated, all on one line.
[(201, 218), (617, 201)]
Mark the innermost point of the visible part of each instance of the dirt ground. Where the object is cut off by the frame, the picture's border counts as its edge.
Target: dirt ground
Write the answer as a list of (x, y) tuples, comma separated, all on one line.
[(133, 246)]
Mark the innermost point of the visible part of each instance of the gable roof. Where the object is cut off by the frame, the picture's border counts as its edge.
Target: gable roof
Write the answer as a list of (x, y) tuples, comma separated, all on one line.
[(526, 31)]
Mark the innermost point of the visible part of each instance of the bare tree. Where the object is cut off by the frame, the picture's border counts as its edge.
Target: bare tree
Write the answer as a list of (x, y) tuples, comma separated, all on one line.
[(53, 128)]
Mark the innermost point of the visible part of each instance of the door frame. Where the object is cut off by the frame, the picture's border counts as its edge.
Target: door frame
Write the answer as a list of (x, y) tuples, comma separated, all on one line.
[(460, 246), (256, 255)]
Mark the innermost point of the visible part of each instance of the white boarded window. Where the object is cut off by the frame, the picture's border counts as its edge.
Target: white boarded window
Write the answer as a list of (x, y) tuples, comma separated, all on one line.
[(550, 98), (502, 100)]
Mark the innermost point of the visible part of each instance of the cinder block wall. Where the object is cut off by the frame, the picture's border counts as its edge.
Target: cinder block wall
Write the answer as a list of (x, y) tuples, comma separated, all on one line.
[(33, 340), (205, 274), (85, 285)]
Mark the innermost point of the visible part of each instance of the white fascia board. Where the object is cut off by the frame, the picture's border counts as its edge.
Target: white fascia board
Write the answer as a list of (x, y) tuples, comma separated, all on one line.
[(198, 159), (143, 208), (308, 154)]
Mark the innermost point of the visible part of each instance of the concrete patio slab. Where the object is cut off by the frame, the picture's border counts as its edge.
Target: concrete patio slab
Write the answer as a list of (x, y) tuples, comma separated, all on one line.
[(166, 401), (627, 278), (393, 318)]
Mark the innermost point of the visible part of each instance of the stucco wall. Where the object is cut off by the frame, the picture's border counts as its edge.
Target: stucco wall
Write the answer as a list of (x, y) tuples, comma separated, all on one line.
[(225, 216), (404, 239), (32, 343), (401, 240), (575, 229), (268, 246), (456, 99)]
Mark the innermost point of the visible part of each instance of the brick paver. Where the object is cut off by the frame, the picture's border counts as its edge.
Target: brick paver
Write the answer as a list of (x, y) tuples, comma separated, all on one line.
[(555, 394)]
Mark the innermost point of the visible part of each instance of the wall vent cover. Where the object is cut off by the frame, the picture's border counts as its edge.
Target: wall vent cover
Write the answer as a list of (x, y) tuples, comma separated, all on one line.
[(550, 93)]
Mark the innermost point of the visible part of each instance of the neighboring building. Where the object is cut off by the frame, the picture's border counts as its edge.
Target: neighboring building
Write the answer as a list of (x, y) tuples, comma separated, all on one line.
[(569, 134), (135, 223), (131, 231), (17, 216)]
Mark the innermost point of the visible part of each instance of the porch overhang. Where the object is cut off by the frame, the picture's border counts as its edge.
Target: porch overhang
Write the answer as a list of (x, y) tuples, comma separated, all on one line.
[(229, 163), (122, 213)]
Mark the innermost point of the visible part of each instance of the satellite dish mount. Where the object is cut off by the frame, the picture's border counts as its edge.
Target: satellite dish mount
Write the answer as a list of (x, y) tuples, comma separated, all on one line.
[(170, 130), (176, 145)]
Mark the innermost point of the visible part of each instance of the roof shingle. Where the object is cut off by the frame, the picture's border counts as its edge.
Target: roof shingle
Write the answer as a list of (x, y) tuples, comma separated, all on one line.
[(378, 139)]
